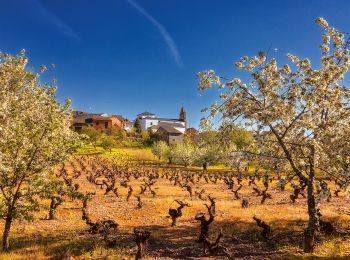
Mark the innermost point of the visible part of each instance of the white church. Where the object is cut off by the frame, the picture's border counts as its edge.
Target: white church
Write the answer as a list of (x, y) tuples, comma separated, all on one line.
[(170, 129), (149, 121)]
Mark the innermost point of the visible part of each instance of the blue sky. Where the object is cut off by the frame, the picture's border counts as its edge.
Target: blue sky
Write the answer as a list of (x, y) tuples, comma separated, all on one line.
[(129, 56)]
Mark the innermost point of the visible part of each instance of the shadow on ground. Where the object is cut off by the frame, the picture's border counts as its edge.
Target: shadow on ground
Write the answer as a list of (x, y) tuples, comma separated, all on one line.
[(242, 240)]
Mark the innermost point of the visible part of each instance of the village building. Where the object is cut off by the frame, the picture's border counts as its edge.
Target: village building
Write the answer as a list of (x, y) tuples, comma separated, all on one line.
[(97, 121), (170, 130), (149, 121), (169, 134), (128, 125)]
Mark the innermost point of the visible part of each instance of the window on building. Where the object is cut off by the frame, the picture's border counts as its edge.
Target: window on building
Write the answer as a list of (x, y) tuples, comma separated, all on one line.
[(106, 124), (97, 123)]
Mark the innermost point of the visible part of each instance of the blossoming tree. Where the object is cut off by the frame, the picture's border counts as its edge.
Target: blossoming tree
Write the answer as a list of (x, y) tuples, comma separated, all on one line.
[(35, 135), (296, 110), (183, 153), (161, 149)]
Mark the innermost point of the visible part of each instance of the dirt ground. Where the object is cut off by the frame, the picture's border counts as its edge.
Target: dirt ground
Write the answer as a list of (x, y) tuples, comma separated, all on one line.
[(67, 236)]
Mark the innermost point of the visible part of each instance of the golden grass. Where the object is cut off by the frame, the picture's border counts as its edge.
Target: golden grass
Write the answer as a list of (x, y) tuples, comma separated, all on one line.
[(137, 154), (140, 154)]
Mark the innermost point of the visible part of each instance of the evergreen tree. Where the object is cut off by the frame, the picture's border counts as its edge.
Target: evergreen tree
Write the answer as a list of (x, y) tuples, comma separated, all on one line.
[(137, 125)]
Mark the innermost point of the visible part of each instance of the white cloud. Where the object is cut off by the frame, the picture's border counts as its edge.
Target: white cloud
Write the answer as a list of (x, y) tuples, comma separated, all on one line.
[(63, 27), (161, 29)]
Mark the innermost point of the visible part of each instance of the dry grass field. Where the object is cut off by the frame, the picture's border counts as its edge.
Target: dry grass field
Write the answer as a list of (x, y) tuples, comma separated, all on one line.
[(67, 237)]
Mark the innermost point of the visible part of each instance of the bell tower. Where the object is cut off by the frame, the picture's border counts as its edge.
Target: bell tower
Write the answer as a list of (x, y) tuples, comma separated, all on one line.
[(183, 115)]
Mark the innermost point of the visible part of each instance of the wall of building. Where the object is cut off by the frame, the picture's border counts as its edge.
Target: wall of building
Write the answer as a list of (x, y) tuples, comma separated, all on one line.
[(116, 122), (172, 121), (101, 124), (149, 116), (128, 126), (174, 139), (148, 122), (181, 129)]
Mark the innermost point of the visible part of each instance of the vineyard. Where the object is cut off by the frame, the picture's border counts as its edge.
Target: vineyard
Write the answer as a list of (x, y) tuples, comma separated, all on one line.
[(137, 210), (259, 168)]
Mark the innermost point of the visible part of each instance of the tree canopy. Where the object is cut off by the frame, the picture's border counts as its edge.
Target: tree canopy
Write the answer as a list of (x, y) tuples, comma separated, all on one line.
[(35, 136), (299, 114), (137, 125)]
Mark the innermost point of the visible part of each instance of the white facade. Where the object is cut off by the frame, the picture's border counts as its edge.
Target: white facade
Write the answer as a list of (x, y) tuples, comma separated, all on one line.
[(181, 129), (128, 126), (148, 122), (149, 116)]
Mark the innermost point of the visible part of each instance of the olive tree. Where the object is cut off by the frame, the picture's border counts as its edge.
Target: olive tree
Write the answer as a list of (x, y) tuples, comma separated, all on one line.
[(161, 149), (207, 148), (232, 140), (109, 142), (206, 155), (183, 153), (292, 108), (35, 135), (93, 134)]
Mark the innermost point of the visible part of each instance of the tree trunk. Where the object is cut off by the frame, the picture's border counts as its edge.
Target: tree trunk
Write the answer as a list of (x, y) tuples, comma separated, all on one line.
[(53, 206), (205, 166), (52, 210), (139, 253), (5, 236), (309, 233)]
